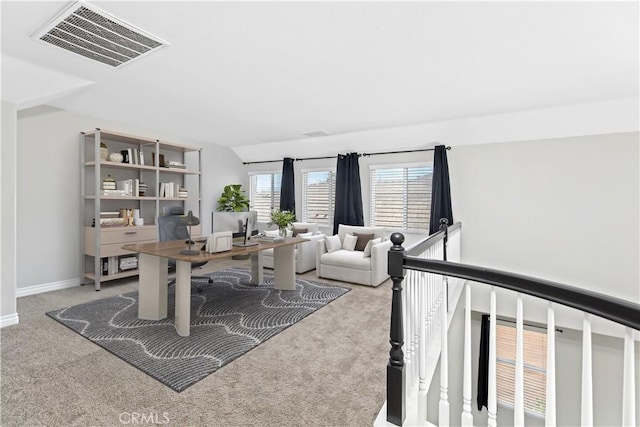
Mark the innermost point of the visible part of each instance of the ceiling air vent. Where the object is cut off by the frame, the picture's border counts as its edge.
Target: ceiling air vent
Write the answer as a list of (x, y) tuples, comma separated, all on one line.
[(88, 31), (316, 133)]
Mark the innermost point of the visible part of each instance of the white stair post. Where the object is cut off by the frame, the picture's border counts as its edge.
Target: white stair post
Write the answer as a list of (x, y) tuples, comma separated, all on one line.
[(443, 408), (467, 418), (628, 387), (492, 403), (586, 419), (518, 412), (550, 399)]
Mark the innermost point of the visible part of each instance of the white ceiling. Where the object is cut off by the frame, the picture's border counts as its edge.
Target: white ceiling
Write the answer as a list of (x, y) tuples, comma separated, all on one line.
[(243, 73)]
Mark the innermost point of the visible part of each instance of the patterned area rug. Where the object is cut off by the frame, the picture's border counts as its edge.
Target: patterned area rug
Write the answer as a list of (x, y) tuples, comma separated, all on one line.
[(228, 319)]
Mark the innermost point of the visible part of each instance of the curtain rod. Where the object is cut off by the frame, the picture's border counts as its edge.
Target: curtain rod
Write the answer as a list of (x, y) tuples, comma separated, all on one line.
[(333, 157)]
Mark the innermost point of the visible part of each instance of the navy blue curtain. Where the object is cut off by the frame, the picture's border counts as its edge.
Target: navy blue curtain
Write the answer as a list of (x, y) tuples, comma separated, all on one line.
[(483, 364), (287, 187), (440, 190), (348, 202)]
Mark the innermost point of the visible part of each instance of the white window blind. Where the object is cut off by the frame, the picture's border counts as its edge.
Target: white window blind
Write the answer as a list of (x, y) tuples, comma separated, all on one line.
[(535, 366), (401, 196), (265, 194), (318, 193)]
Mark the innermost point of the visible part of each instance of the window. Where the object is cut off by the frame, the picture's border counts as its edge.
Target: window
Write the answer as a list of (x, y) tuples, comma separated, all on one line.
[(401, 196), (318, 193), (535, 366), (265, 194)]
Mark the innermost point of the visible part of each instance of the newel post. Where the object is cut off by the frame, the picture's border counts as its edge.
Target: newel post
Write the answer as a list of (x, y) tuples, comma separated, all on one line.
[(444, 225), (395, 368)]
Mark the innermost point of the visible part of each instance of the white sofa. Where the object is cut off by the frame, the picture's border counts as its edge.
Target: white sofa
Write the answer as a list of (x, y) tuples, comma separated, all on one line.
[(304, 253), (352, 265)]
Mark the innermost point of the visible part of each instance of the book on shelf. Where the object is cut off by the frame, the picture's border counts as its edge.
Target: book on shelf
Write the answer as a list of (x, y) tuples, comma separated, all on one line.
[(176, 164), (115, 214), (169, 189), (110, 222), (113, 193), (141, 157)]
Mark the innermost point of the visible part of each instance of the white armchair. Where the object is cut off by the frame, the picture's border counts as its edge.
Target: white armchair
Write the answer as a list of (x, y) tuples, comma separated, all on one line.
[(354, 266), (304, 253)]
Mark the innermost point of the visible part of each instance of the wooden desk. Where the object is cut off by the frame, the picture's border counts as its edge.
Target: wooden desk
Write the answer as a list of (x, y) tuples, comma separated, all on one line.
[(153, 268)]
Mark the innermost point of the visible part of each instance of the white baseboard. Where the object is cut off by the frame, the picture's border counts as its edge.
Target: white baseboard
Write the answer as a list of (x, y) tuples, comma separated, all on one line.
[(47, 287), (8, 320)]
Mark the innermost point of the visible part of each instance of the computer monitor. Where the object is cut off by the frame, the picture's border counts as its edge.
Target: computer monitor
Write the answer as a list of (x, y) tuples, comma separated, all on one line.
[(236, 222)]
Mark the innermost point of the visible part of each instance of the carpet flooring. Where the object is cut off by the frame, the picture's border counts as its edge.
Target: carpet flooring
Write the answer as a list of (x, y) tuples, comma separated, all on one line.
[(228, 319)]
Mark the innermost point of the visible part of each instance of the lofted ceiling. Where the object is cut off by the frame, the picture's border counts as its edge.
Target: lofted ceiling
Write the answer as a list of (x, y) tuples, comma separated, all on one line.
[(244, 73)]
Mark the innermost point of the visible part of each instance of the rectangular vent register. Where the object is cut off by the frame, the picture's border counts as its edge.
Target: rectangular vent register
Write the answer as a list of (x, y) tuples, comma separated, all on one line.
[(92, 33)]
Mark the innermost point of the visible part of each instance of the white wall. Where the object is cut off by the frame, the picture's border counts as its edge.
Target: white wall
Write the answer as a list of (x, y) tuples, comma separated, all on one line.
[(8, 311), (48, 226), (565, 210)]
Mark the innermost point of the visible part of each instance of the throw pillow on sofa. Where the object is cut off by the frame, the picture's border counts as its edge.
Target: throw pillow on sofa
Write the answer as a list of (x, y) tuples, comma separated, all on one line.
[(349, 243), (370, 243), (297, 231), (363, 239), (333, 243)]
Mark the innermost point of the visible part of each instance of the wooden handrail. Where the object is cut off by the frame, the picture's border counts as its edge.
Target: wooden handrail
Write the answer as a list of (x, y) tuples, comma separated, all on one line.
[(615, 309)]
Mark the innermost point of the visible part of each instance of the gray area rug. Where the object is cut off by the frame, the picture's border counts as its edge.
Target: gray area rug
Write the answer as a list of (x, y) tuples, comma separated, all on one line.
[(229, 318)]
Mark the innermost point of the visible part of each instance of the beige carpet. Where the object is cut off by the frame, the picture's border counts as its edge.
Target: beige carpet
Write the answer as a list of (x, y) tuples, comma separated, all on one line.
[(326, 370)]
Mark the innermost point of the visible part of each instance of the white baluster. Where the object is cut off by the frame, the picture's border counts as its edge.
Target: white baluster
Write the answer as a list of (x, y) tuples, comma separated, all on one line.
[(467, 418), (628, 386), (550, 405), (492, 403), (422, 389), (586, 419), (518, 412), (443, 409)]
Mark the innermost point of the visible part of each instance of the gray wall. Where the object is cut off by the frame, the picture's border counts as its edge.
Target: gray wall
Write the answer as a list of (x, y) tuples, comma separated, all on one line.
[(8, 312), (564, 209), (48, 190)]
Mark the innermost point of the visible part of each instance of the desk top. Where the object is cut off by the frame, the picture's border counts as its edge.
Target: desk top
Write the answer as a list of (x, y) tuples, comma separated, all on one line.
[(172, 249)]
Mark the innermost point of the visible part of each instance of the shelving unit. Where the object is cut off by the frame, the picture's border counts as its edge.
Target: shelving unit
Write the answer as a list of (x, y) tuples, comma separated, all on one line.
[(99, 242)]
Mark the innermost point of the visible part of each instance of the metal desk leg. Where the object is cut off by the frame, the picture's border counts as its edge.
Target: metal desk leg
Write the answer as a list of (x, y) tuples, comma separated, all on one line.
[(284, 267), (183, 298), (152, 288)]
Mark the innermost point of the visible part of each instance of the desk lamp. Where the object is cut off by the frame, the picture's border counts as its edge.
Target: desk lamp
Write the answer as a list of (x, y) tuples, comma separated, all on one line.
[(190, 220)]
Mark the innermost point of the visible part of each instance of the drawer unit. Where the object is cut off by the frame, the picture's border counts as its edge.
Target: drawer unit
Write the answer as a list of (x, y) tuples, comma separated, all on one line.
[(112, 239)]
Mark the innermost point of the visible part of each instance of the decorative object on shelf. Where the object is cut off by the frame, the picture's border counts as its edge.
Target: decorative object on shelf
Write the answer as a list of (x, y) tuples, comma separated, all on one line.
[(233, 199), (115, 157), (183, 193), (108, 183), (104, 151), (142, 188), (189, 221), (282, 219)]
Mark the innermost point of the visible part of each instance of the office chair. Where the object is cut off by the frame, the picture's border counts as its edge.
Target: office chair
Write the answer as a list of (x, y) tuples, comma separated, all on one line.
[(173, 227)]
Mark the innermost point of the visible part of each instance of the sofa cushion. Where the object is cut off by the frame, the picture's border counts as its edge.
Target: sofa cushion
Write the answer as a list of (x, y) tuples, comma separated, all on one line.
[(363, 239), (370, 243), (333, 243), (351, 229), (347, 259), (310, 226), (349, 242)]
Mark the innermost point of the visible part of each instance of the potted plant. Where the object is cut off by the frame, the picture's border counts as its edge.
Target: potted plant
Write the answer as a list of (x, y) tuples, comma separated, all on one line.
[(282, 219), (233, 199)]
